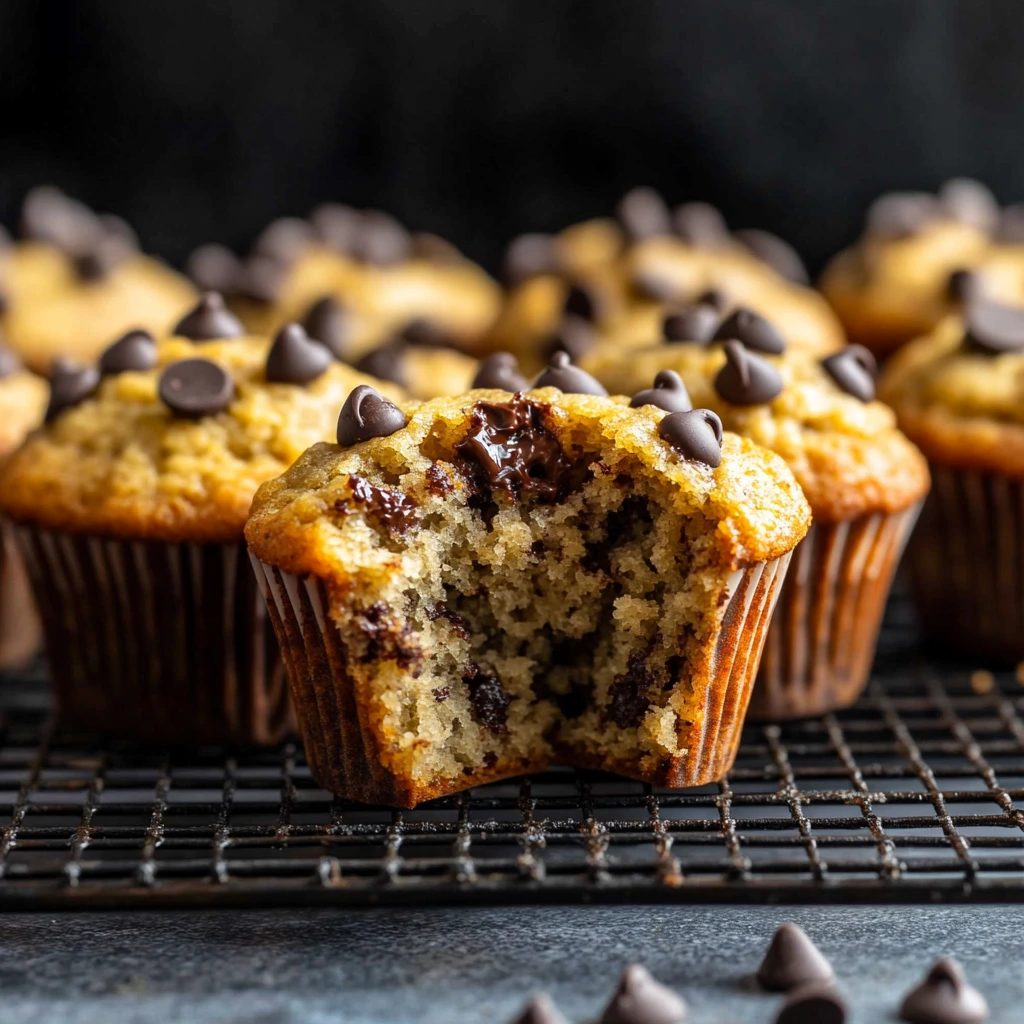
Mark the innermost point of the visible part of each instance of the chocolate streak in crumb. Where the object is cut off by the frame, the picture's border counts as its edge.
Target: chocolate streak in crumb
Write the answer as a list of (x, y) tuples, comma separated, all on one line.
[(395, 510)]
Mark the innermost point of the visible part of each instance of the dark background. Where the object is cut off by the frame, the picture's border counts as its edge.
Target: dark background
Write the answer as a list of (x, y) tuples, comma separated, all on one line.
[(482, 118)]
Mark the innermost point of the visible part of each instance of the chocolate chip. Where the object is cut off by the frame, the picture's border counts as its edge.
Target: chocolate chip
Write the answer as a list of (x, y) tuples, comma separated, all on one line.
[(698, 323), (261, 279), (530, 256), (367, 414), (970, 202), (648, 283), (193, 388), (944, 997), (134, 351), (696, 435), (386, 362), (700, 225), (964, 285), (381, 241), (993, 328), (70, 385), (295, 358), (214, 268), (567, 378), (393, 509), (337, 226), (500, 371), (329, 322), (853, 369), (629, 696), (9, 362), (640, 999), (714, 297), (746, 378), (285, 240), (51, 217), (753, 330), (488, 700), (583, 302), (429, 333), (1010, 229), (107, 251), (899, 215), (435, 249), (208, 320), (574, 336), (776, 252), (540, 1010), (669, 393), (792, 960), (813, 1004), (642, 213)]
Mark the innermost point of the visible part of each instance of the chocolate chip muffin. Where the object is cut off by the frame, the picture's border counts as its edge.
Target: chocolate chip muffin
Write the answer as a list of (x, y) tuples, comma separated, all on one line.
[(958, 394), (863, 479), (77, 279), (129, 507), (501, 580)]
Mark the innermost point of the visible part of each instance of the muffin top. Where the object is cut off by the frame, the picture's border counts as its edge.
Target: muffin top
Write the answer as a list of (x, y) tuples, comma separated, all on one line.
[(22, 398), (842, 446), (959, 391), (171, 442)]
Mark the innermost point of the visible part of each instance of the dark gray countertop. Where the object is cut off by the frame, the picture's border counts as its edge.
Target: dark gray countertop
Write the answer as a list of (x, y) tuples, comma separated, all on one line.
[(472, 965)]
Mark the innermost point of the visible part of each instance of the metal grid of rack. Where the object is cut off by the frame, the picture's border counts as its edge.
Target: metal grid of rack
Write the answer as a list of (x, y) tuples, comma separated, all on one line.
[(915, 794)]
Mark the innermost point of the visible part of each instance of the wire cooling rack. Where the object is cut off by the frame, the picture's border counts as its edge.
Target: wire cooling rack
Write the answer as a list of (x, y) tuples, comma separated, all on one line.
[(916, 794)]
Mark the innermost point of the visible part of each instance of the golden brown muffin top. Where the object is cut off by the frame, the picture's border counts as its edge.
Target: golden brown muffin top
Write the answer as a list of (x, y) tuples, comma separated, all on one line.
[(121, 463), (846, 453)]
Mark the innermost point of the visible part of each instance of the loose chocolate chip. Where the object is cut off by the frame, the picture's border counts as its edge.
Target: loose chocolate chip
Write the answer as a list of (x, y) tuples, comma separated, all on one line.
[(696, 434), (853, 369), (642, 213), (284, 240), (328, 321), (381, 241), (714, 297), (567, 378), (423, 331), (214, 268), (776, 252), (944, 997), (648, 283), (530, 256), (295, 358), (964, 285), (134, 351), (337, 226), (669, 393), (1010, 229), (70, 385), (367, 414), (970, 202), (435, 249), (698, 323), (500, 371), (208, 320), (540, 1010), (813, 1004), (746, 378), (792, 960), (640, 999), (574, 336), (993, 328), (193, 388), (900, 215), (386, 362), (9, 361), (753, 330), (700, 225), (583, 302)]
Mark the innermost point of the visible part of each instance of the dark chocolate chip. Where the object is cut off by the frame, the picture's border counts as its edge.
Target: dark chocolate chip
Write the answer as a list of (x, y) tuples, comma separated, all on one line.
[(648, 283), (970, 202), (698, 323), (567, 378), (193, 388), (381, 241), (500, 371), (295, 358), (429, 333), (540, 1010), (944, 997), (574, 336), (70, 385), (393, 509), (776, 252), (640, 999), (112, 226), (813, 1004), (792, 960), (284, 240), (134, 351), (754, 330), (696, 434), (746, 378), (853, 369), (488, 699), (329, 323), (51, 217), (368, 414), (669, 393), (1010, 229), (530, 256), (714, 297), (105, 254), (435, 249), (700, 225), (208, 320), (583, 302), (902, 214), (629, 696), (993, 328), (386, 362), (642, 213), (964, 285), (214, 268), (337, 226), (9, 361), (261, 279)]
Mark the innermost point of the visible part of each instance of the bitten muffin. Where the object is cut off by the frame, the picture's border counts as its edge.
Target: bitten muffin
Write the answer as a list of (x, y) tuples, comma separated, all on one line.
[(129, 507), (23, 400), (77, 280), (863, 478), (959, 394), (511, 579)]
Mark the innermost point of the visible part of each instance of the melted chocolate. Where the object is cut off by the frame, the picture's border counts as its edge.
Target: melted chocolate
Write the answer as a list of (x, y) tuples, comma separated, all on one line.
[(387, 640), (487, 698), (439, 483), (454, 619), (395, 510), (629, 693)]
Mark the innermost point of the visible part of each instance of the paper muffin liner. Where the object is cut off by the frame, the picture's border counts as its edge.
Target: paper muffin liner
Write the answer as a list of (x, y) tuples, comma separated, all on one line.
[(822, 638), (966, 564), (19, 623), (342, 749), (156, 642)]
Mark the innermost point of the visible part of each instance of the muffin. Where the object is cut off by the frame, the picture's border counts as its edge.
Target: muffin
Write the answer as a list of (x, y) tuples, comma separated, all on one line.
[(23, 400), (78, 279), (129, 507), (958, 393), (501, 580), (864, 481)]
